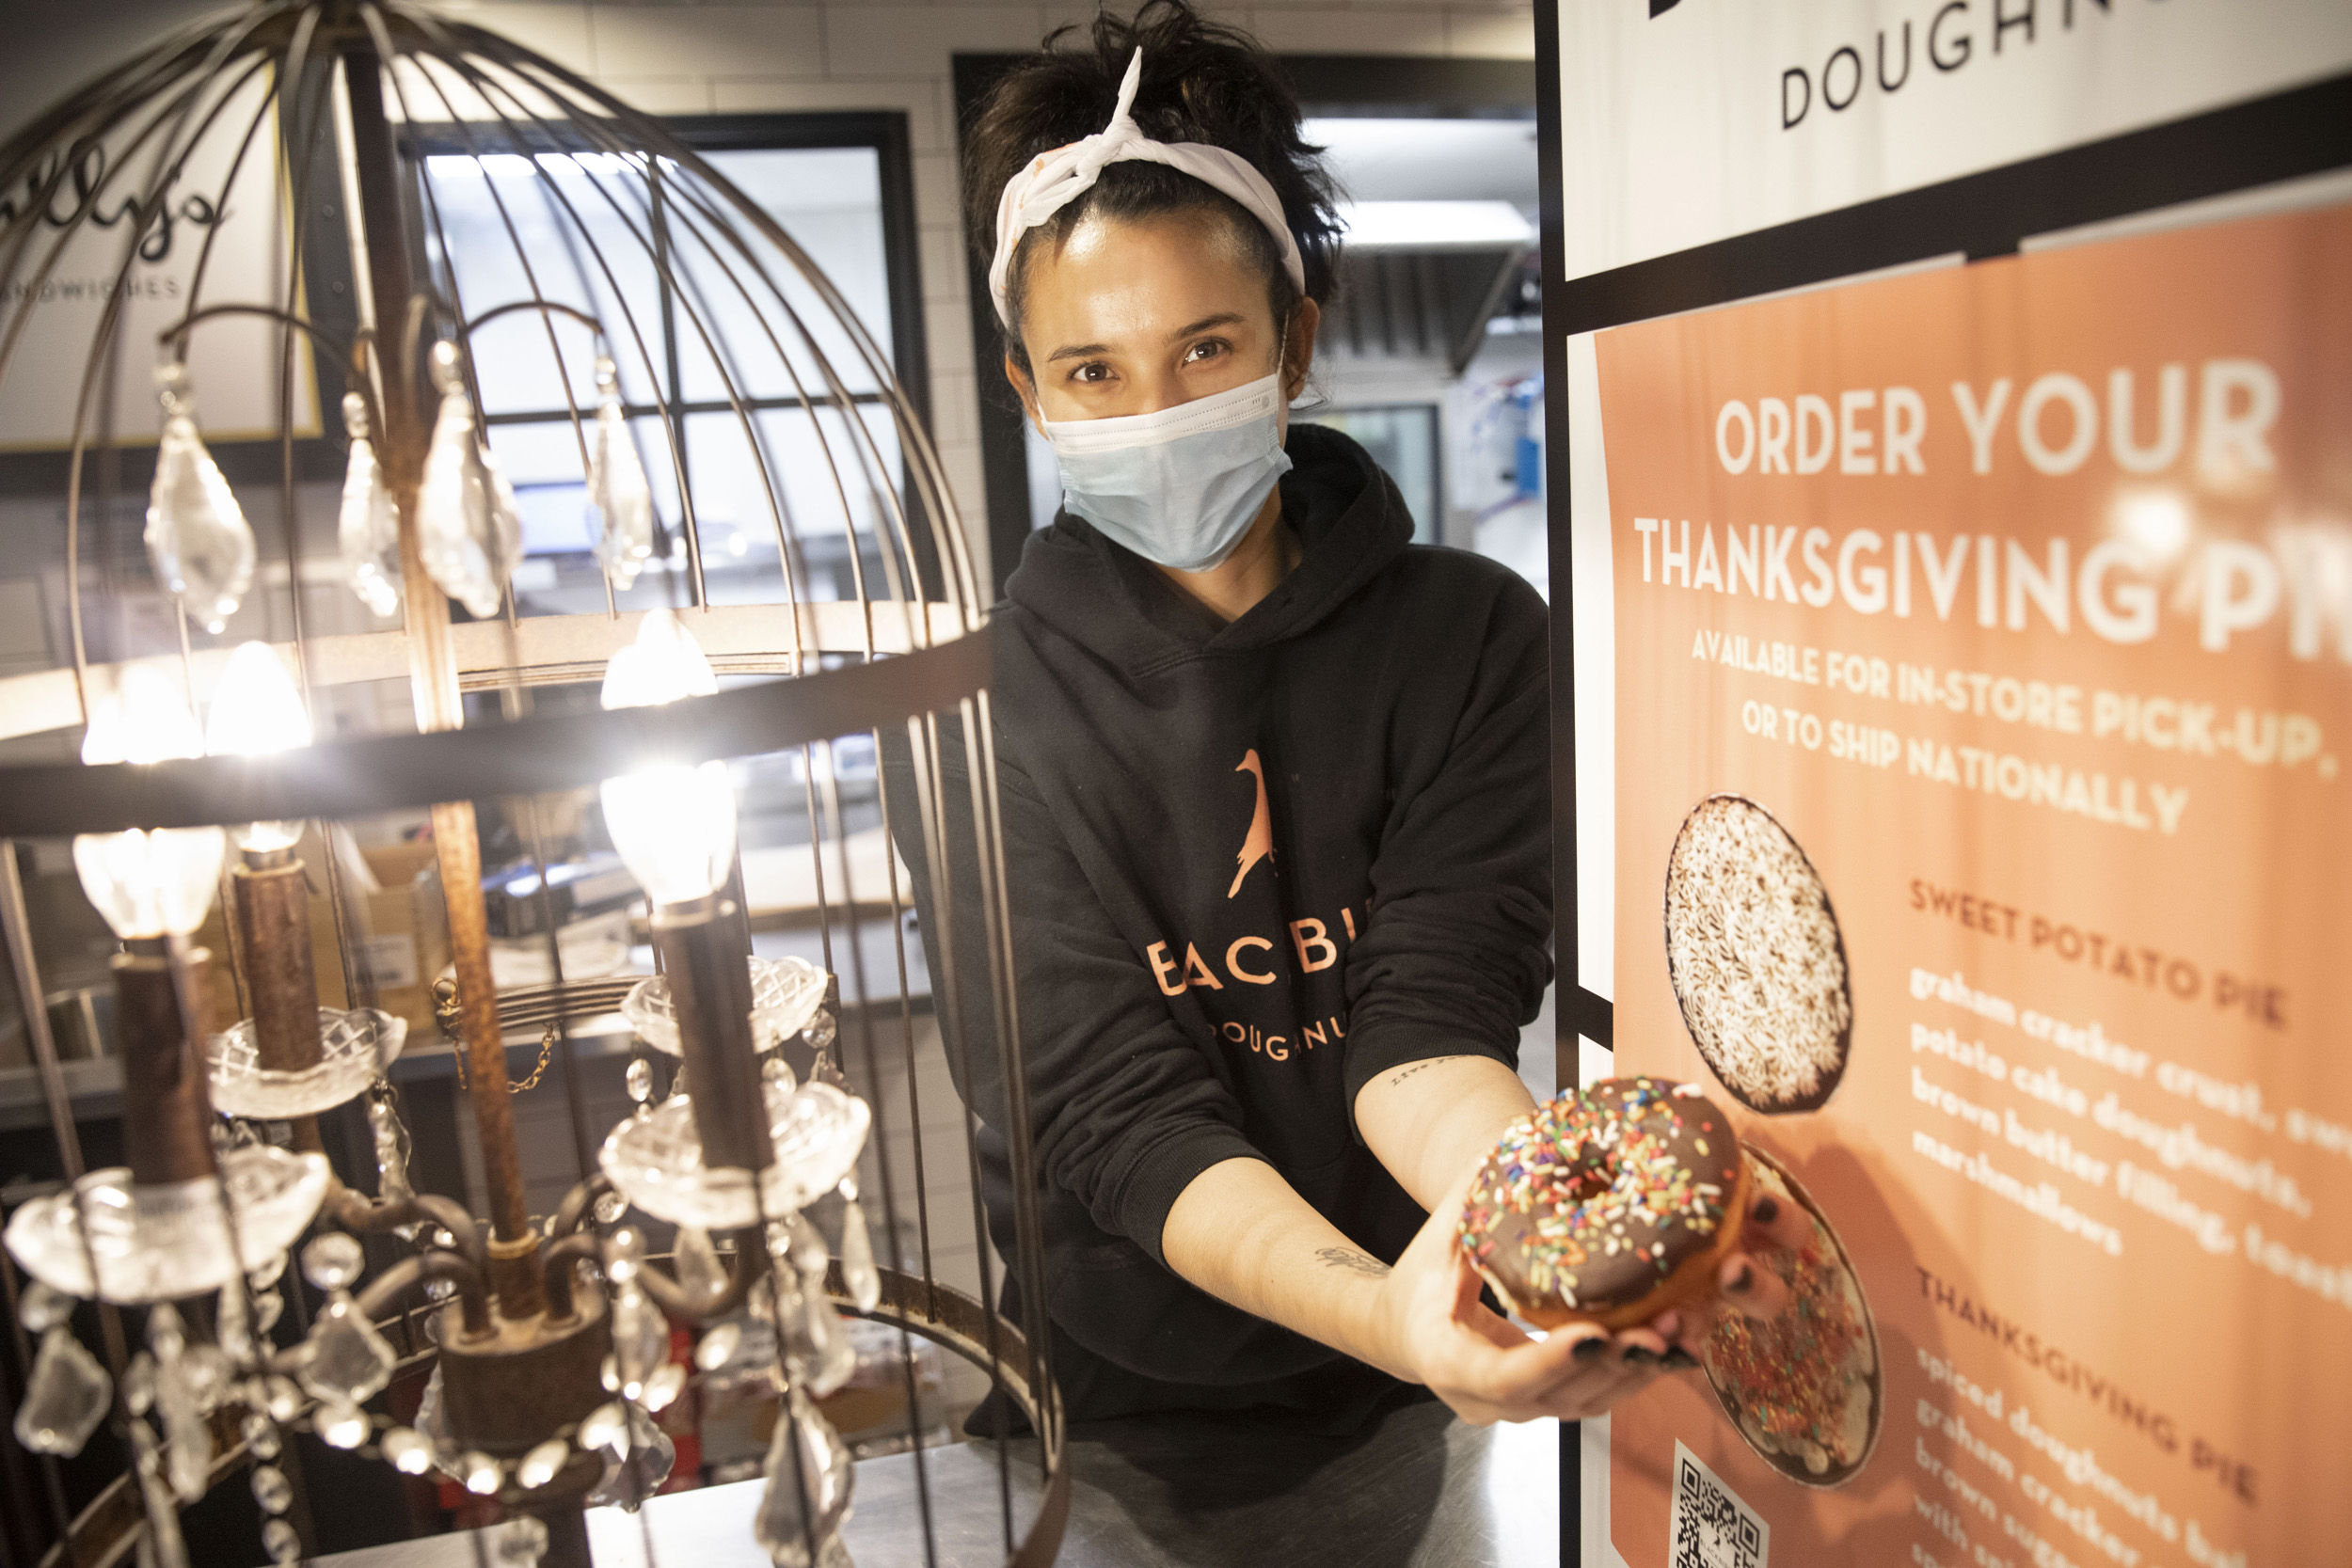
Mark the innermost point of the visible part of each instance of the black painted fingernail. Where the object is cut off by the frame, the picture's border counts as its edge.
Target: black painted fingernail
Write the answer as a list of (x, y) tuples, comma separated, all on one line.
[(1742, 1282), (1639, 1356), (1679, 1360), (1589, 1350), (1765, 1209)]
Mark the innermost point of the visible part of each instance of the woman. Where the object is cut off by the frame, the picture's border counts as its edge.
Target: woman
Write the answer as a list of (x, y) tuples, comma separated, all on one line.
[(1274, 787)]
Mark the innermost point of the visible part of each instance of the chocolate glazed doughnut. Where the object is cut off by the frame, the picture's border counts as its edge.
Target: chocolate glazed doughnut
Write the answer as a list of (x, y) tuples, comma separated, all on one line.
[(1609, 1205)]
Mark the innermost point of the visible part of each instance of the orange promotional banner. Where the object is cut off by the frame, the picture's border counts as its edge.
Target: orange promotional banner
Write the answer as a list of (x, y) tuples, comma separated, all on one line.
[(1984, 663)]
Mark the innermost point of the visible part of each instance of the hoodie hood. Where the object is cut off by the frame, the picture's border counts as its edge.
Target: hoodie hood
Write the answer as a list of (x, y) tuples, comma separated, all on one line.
[(1352, 524)]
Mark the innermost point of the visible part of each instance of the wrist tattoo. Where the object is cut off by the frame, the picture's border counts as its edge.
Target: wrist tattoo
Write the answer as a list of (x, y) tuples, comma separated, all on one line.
[(1353, 1261)]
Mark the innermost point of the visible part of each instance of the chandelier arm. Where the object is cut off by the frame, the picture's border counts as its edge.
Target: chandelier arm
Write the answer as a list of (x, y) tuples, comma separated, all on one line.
[(652, 135), (544, 184), (103, 340), (347, 354), (793, 590), (391, 1287), (750, 1263), (575, 1205), (475, 324), (466, 327), (432, 31), (558, 1262), (356, 1211)]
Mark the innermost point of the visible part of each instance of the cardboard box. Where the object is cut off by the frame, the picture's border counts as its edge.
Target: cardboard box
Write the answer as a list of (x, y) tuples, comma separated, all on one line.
[(399, 939)]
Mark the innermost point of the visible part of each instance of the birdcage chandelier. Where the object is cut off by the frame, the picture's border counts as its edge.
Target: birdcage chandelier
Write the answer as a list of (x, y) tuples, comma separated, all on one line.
[(549, 1341)]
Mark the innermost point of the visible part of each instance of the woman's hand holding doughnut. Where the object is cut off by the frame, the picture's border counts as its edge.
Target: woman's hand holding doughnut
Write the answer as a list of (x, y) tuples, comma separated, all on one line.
[(1487, 1370)]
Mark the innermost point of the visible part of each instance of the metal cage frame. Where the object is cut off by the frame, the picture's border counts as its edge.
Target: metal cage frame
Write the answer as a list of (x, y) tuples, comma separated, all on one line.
[(909, 662)]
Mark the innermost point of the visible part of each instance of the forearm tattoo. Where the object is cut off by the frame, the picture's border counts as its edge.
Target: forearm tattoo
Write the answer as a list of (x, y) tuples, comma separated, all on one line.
[(1353, 1261), (1417, 1067)]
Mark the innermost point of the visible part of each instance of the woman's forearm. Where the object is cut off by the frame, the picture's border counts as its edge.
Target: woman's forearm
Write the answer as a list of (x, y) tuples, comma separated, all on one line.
[(1429, 1121), (1243, 1235)]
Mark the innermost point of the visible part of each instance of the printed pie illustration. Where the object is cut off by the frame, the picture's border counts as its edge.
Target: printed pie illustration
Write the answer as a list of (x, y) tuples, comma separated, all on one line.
[(1757, 963), (1804, 1388)]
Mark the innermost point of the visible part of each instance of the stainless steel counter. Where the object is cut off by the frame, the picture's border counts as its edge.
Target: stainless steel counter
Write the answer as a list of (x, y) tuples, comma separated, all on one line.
[(1419, 1490)]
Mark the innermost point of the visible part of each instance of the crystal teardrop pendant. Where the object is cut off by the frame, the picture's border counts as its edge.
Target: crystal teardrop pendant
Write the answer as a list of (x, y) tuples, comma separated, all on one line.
[(640, 1339), (808, 1498), (65, 1399), (161, 1546), (700, 1273), (366, 528), (197, 536), (344, 1359), (857, 1253), (806, 1245), (519, 1541), (718, 1347), (466, 525), (180, 1382), (641, 1459), (616, 486), (232, 1324), (42, 1307), (392, 1157), (832, 1357), (664, 1387)]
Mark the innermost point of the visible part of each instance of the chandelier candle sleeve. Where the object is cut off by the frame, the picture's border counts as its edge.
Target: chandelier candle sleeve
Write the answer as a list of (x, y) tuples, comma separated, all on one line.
[(673, 825), (153, 889), (711, 994), (166, 1110), (257, 711)]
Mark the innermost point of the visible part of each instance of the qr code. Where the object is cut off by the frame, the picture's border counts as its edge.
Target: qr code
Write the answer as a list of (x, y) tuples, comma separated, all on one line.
[(1709, 1526)]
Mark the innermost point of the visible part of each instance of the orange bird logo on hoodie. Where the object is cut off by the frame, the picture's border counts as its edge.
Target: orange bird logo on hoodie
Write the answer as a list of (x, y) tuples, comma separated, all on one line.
[(1258, 844)]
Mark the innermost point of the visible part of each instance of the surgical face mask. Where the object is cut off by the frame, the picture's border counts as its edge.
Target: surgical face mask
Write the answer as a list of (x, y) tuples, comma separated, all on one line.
[(1182, 485)]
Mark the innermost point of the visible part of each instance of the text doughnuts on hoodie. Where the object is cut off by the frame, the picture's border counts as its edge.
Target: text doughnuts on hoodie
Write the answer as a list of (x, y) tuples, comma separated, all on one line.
[(1249, 866)]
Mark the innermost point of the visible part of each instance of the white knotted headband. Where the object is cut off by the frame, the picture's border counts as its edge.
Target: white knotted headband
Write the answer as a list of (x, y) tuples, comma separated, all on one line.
[(1052, 180)]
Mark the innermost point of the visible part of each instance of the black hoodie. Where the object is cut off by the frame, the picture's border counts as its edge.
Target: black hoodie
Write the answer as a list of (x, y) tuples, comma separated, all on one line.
[(1250, 865)]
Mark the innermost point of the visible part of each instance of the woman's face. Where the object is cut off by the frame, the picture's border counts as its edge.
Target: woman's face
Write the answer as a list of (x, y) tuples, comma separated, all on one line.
[(1133, 317)]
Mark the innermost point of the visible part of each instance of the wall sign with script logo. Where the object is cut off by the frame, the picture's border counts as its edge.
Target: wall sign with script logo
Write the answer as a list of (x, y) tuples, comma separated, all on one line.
[(228, 216)]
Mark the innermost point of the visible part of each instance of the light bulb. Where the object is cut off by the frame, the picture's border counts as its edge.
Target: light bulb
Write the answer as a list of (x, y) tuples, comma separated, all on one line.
[(674, 823), (663, 664), (256, 711), (147, 884), (145, 719)]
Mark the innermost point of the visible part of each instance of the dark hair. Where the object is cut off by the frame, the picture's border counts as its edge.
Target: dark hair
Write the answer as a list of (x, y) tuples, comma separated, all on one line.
[(1201, 82)]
